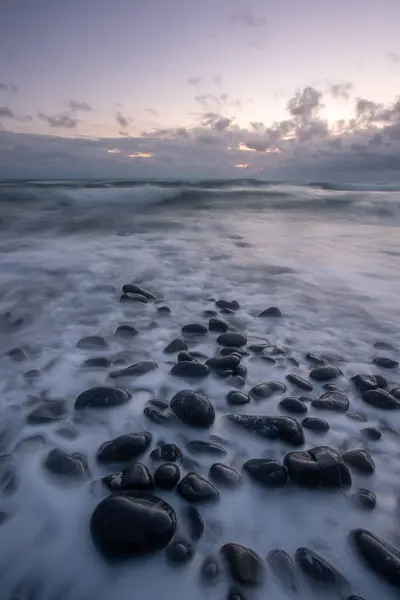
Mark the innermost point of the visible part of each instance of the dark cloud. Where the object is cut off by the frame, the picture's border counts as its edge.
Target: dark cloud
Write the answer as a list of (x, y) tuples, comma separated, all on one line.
[(122, 121), (64, 120), (6, 113), (152, 112), (193, 80), (216, 121), (6, 87), (393, 57), (79, 106), (341, 90), (248, 19), (305, 104)]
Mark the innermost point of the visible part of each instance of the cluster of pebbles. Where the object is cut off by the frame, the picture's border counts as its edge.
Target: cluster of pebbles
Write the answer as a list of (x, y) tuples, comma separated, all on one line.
[(135, 517)]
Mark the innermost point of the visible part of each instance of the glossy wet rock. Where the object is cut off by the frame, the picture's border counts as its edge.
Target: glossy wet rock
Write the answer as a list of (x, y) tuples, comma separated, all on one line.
[(365, 382), (210, 568), (319, 570), (166, 452), (185, 357), (97, 362), (163, 310), (360, 460), (227, 305), (283, 567), (315, 424), (285, 429), (299, 382), (194, 522), (125, 447), (102, 397), (195, 488), (157, 415), (18, 354), (126, 331), (371, 433), (240, 371), (193, 409), (131, 288), (385, 362), (201, 447), (318, 467), (124, 525), (265, 390), (365, 499), (167, 476), (381, 399), (223, 363), (325, 373), (179, 552), (135, 477), (236, 381), (190, 369), (395, 392), (136, 370), (245, 566), (269, 473), (176, 345), (382, 557), (194, 329), (91, 342), (272, 311), (232, 340), (71, 466), (47, 412), (217, 325), (293, 405), (223, 475), (333, 401)]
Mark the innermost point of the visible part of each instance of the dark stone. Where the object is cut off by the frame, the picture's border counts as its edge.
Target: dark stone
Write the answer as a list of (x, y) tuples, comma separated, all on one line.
[(193, 409), (163, 310), (179, 552), (136, 370), (365, 499), (381, 556), (355, 598), (360, 459), (73, 466), (299, 382), (200, 447), (240, 371), (232, 340), (267, 389), (194, 522), (272, 311), (315, 359), (123, 525), (185, 357), (47, 412), (317, 467), (177, 345), (133, 298), (371, 433), (381, 399), (18, 354), (224, 374), (167, 475), (190, 369), (126, 331), (283, 567), (194, 488), (306, 398), (285, 429), (385, 362), (223, 363), (236, 381), (318, 569), (258, 348), (166, 452), (223, 475), (32, 374), (245, 566), (98, 362), (157, 415), (267, 472), (334, 401), (395, 393), (135, 477), (210, 568), (92, 341), (224, 304), (125, 447), (236, 398), (325, 373), (293, 405), (381, 381), (217, 325), (131, 288), (331, 387), (194, 329), (365, 382), (101, 397), (239, 352), (210, 313), (315, 424)]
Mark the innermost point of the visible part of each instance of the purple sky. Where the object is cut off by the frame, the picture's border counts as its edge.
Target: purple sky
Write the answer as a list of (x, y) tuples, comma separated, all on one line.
[(110, 69)]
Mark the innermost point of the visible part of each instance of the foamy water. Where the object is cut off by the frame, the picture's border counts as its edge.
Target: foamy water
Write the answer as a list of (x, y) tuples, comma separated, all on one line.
[(329, 259)]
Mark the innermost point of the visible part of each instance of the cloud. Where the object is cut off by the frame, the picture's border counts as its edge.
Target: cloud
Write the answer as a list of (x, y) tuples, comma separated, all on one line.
[(79, 106), (64, 120), (248, 19), (5, 87), (341, 90), (305, 104), (122, 121), (193, 80), (394, 58), (6, 113), (211, 101), (152, 112)]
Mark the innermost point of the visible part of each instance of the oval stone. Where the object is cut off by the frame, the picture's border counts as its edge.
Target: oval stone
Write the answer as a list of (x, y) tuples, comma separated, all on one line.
[(381, 399), (381, 556), (269, 473), (194, 488), (299, 382), (293, 405), (245, 566), (101, 397), (223, 475), (167, 475), (236, 398), (190, 369), (125, 447), (232, 340), (193, 409), (325, 373)]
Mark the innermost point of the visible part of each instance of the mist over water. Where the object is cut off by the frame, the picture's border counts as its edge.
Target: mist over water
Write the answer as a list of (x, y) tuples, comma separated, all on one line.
[(328, 256)]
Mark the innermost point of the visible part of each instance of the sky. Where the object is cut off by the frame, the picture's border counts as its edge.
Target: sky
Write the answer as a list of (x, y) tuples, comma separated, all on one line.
[(287, 89)]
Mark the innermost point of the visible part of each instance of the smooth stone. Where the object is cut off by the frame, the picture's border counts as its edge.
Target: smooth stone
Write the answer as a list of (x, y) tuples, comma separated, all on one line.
[(73, 466), (126, 331), (179, 552), (365, 499), (318, 569), (223, 475), (32, 374), (245, 566), (163, 310), (385, 362), (195, 488), (381, 556), (167, 475), (194, 329), (90, 342), (190, 369), (124, 447), (359, 459), (325, 373), (210, 313), (315, 359), (223, 363), (395, 392), (381, 381), (381, 399), (193, 409), (166, 452), (217, 325), (239, 352), (48, 412), (334, 401), (236, 381), (315, 424), (232, 340), (365, 382), (102, 397), (131, 288), (272, 311), (357, 417), (176, 345), (224, 374), (293, 405), (185, 357), (18, 354), (194, 522), (285, 429), (125, 525), (225, 304), (269, 473), (299, 382), (98, 362), (283, 567), (200, 447), (306, 398), (258, 348), (331, 387), (236, 398), (240, 371), (135, 477), (210, 568), (267, 389), (136, 370), (156, 415), (318, 467), (133, 298), (371, 433)]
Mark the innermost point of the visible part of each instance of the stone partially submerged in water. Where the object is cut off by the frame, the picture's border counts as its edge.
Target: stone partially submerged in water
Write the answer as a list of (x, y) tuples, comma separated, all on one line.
[(190, 369), (334, 401), (320, 571), (381, 556), (136, 370), (267, 389), (195, 488), (135, 477), (92, 342), (245, 566), (193, 409), (63, 464), (268, 473), (318, 467), (131, 288), (124, 447), (285, 429), (359, 459), (381, 399), (47, 412), (102, 397), (325, 373)]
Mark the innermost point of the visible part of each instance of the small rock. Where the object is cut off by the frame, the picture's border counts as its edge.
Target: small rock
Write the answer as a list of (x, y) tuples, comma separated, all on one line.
[(224, 304), (18, 354), (101, 397), (131, 288), (299, 382), (317, 467), (179, 552), (200, 447), (125, 447), (166, 452), (223, 363), (135, 477), (258, 348), (381, 556), (236, 381), (136, 370), (210, 568), (239, 352), (157, 415), (395, 393), (318, 569), (380, 399), (189, 369), (232, 340), (163, 310), (267, 472), (293, 405), (315, 424), (210, 313), (194, 329), (385, 362), (245, 566), (217, 325), (177, 345), (285, 429), (185, 357), (194, 488), (193, 409), (194, 522), (167, 475), (334, 401), (365, 499), (126, 331), (32, 374), (98, 362), (90, 342), (371, 433), (272, 311), (325, 373), (48, 412), (361, 460), (240, 371), (73, 466), (223, 475), (236, 398), (365, 382), (267, 389), (283, 568)]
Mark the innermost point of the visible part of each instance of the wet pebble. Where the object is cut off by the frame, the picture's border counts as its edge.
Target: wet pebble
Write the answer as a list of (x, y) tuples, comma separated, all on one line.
[(365, 382), (210, 313), (32, 375), (194, 522), (195, 488), (218, 325), (232, 340), (236, 381), (385, 362), (179, 552), (269, 473), (333, 401), (223, 475), (315, 424), (236, 398), (299, 382), (97, 362), (185, 357), (223, 363), (131, 288), (101, 397), (229, 305), (91, 342), (167, 476), (166, 452), (267, 389), (124, 447), (18, 354), (176, 345), (382, 557), (318, 467), (293, 405), (163, 310), (72, 466), (285, 429), (272, 311), (190, 369), (126, 331), (193, 409), (365, 499), (359, 459), (194, 329), (136, 370), (381, 399), (135, 477), (325, 373), (210, 568), (201, 447), (245, 566), (319, 570), (371, 433)]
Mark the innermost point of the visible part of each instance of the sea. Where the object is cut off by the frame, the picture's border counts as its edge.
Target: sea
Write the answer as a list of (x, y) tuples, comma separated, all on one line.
[(327, 255)]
